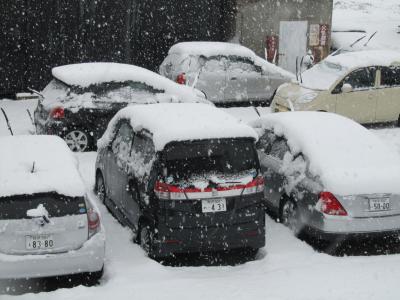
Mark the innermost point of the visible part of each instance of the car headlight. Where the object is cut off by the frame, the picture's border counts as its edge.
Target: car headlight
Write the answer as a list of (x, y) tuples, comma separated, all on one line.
[(307, 98)]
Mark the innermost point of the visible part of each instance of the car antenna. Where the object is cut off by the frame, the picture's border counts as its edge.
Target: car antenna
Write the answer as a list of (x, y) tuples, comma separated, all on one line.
[(370, 38), (297, 68), (301, 63), (33, 167), (7, 121), (30, 116)]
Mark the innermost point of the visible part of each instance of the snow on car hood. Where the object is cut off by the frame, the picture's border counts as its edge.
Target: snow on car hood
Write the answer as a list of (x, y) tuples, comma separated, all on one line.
[(38, 164), (169, 122), (346, 157)]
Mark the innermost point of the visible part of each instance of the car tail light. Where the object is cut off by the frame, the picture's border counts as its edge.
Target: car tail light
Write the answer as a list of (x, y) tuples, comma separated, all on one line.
[(181, 78), (57, 113), (93, 222), (328, 204), (168, 191)]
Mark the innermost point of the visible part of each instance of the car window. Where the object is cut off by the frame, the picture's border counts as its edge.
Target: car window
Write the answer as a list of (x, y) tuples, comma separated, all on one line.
[(216, 63), (361, 79), (279, 148), (143, 146), (244, 65), (122, 142), (390, 76)]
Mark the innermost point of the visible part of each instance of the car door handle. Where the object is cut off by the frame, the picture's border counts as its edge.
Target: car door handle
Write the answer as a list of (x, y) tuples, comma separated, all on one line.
[(234, 78)]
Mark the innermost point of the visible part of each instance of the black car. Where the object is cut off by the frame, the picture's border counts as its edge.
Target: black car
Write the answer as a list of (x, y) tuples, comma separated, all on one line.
[(181, 194), (82, 98)]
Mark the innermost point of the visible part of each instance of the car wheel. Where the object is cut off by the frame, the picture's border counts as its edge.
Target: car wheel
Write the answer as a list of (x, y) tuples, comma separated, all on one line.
[(289, 214), (147, 239), (100, 188), (78, 141)]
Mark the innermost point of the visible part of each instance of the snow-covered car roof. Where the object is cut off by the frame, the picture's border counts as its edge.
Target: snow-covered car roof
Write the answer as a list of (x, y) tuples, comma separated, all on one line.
[(38, 164), (209, 49), (169, 122), (359, 59), (323, 75), (87, 74), (348, 158)]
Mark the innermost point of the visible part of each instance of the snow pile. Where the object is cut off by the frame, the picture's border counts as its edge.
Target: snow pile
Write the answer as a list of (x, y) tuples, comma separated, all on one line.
[(370, 15), (38, 164), (169, 122), (323, 75), (85, 75), (346, 157)]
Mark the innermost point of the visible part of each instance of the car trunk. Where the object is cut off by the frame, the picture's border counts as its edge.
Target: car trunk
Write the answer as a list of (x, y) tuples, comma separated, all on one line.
[(371, 205), (42, 223), (210, 183)]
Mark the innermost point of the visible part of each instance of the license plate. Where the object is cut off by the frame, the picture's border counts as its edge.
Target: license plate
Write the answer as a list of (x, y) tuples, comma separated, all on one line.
[(213, 205), (380, 204), (38, 242)]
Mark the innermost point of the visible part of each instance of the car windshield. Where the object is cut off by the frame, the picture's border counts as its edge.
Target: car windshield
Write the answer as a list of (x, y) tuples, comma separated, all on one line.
[(322, 76), (217, 160)]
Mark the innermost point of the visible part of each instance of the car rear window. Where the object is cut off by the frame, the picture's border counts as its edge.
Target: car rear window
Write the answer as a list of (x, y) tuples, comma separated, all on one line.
[(16, 207), (227, 157)]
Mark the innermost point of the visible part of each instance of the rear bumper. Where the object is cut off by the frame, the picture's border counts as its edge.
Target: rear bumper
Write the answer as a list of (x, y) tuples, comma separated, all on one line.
[(192, 240), (334, 237), (89, 258)]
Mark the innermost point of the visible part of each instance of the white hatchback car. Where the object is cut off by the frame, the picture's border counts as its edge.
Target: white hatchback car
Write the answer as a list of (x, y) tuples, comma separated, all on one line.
[(48, 227)]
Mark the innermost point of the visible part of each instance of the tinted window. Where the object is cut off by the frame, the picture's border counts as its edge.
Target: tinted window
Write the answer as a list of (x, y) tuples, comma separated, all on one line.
[(216, 156), (361, 79), (216, 63), (143, 147), (122, 142), (390, 76), (16, 207), (238, 63)]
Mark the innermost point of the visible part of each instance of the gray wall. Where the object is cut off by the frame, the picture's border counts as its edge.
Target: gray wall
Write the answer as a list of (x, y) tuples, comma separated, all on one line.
[(258, 19)]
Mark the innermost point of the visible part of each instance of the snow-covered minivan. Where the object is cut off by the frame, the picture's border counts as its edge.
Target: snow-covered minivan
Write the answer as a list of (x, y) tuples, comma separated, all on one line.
[(361, 85), (184, 177), (48, 226), (227, 73)]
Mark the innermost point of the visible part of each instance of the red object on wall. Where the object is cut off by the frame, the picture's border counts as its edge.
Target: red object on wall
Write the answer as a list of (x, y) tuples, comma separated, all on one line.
[(323, 34), (272, 48)]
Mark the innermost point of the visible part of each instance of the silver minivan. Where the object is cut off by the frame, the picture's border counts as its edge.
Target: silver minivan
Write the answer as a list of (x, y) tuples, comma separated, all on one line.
[(226, 73)]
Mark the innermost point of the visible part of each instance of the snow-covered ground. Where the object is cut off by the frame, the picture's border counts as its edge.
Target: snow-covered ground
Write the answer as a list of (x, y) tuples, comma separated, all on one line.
[(382, 16), (286, 269)]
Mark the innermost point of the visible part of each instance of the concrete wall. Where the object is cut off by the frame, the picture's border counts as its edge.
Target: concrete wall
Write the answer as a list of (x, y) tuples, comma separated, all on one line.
[(257, 19)]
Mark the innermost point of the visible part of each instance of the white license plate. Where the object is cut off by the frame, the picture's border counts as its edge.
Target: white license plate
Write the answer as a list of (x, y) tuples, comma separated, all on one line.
[(213, 205), (380, 204), (40, 241)]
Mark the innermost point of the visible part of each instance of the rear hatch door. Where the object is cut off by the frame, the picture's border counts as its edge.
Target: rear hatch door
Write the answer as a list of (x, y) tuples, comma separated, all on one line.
[(42, 223)]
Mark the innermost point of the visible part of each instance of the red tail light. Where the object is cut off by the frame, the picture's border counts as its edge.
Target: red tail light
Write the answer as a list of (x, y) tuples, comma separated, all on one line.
[(181, 78), (328, 204), (93, 221), (167, 191), (57, 113)]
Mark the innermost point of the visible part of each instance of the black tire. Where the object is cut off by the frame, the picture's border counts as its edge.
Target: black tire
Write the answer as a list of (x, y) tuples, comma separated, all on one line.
[(79, 140), (93, 278), (288, 214), (398, 122), (146, 238), (100, 188)]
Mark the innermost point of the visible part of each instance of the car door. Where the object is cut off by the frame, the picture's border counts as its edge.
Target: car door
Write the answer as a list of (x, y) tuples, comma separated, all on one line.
[(359, 103), (388, 104), (118, 164), (141, 156), (271, 150), (212, 79)]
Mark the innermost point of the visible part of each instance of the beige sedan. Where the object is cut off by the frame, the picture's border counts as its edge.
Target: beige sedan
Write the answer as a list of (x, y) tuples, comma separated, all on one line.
[(364, 86)]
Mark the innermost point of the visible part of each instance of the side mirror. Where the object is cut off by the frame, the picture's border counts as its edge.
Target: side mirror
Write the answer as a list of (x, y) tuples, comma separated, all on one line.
[(202, 61), (347, 88)]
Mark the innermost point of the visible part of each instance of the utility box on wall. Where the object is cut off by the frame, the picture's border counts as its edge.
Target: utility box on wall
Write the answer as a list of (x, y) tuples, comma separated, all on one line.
[(283, 30)]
